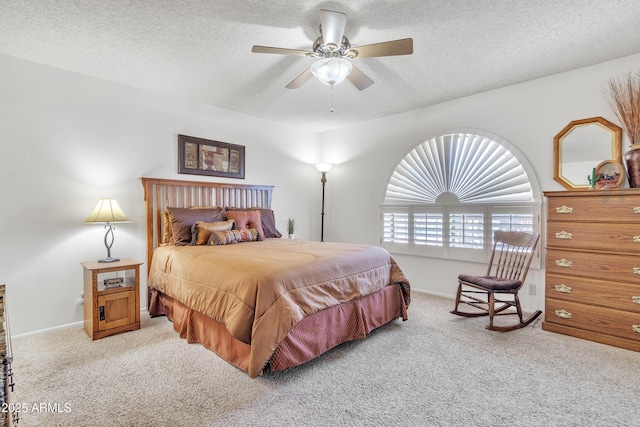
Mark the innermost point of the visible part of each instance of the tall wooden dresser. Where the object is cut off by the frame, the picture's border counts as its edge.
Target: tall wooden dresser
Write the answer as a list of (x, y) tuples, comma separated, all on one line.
[(592, 270)]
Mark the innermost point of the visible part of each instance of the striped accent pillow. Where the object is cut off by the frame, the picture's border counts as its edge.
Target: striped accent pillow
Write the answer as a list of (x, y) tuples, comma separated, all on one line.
[(218, 238)]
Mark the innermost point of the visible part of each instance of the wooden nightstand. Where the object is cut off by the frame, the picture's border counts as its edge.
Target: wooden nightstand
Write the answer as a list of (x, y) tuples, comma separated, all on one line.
[(111, 310)]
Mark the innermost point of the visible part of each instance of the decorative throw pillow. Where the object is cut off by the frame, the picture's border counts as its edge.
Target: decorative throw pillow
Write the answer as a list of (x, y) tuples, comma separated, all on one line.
[(267, 220), (247, 219), (202, 230), (167, 236), (183, 219), (218, 238)]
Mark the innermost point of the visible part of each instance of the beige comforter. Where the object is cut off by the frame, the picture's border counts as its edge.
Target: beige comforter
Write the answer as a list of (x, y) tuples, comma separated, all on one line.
[(260, 290)]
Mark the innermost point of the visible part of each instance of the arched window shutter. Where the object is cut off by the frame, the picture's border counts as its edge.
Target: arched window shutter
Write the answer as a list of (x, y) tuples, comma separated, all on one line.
[(447, 196), (472, 167)]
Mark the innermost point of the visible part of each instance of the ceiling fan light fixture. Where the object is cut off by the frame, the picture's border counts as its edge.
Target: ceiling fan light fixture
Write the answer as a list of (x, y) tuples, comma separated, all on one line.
[(332, 71)]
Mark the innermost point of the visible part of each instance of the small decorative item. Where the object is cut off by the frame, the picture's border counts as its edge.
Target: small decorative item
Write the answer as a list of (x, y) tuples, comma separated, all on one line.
[(632, 159), (113, 282), (199, 156), (593, 178), (291, 228), (609, 175), (625, 101)]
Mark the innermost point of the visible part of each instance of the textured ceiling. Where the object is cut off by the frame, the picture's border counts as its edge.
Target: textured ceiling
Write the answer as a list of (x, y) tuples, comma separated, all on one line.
[(201, 49)]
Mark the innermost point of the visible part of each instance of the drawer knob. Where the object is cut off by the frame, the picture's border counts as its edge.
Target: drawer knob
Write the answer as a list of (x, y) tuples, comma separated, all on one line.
[(636, 239), (562, 288), (565, 236), (565, 314), (636, 210), (567, 210), (636, 328), (636, 270), (636, 299), (566, 263)]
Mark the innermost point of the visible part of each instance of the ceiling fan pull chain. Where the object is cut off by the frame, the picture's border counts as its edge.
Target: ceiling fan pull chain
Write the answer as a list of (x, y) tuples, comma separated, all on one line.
[(331, 109)]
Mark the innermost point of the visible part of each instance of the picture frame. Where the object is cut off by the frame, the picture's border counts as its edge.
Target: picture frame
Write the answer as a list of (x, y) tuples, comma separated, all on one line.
[(198, 156)]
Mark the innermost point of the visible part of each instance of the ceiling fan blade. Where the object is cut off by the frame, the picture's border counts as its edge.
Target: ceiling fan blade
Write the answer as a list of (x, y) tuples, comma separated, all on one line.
[(332, 24), (391, 48), (359, 79), (280, 50), (300, 80)]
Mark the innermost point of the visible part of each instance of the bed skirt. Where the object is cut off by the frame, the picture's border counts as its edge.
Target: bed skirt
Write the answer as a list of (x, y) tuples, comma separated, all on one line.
[(309, 338)]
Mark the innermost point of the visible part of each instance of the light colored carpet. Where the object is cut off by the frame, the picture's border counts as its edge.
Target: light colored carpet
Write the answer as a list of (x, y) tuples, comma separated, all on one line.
[(436, 369)]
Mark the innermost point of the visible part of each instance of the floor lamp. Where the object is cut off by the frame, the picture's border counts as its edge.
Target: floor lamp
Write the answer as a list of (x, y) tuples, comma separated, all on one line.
[(323, 168)]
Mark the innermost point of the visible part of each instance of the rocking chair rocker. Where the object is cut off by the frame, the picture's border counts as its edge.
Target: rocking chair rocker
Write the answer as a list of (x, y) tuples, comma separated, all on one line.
[(510, 260)]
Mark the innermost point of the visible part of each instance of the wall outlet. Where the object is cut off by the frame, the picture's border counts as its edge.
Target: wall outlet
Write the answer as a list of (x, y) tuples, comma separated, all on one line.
[(80, 300), (532, 288)]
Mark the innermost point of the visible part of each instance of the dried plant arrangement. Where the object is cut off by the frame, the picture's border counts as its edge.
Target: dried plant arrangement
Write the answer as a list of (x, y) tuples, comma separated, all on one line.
[(624, 96)]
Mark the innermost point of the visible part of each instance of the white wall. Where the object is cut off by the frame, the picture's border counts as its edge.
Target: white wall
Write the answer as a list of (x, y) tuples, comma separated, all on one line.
[(528, 115), (68, 140)]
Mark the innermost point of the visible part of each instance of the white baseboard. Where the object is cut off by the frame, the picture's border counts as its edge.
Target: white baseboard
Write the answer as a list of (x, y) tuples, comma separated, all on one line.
[(436, 294), (79, 324), (55, 328)]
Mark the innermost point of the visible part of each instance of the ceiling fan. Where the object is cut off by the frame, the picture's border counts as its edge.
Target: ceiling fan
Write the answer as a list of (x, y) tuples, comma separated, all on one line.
[(334, 53)]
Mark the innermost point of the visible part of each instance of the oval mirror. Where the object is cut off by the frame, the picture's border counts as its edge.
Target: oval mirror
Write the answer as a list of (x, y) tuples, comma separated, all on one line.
[(581, 146)]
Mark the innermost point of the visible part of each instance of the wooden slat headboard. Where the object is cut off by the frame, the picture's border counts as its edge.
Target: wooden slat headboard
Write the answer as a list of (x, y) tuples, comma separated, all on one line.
[(162, 193)]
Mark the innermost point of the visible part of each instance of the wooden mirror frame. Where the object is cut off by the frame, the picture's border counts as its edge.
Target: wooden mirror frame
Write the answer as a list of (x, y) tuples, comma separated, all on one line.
[(615, 142)]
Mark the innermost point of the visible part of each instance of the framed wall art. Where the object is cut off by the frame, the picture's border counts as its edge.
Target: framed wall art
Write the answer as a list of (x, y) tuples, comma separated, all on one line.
[(199, 156)]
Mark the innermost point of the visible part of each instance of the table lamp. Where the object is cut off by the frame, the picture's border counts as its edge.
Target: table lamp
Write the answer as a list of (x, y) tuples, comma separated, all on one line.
[(107, 212)]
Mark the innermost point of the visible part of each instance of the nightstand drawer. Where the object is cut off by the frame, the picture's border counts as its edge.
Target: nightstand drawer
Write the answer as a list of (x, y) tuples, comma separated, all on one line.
[(608, 321)]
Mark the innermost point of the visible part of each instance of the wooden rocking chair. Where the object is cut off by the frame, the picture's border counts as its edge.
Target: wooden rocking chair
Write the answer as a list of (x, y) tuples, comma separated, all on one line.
[(510, 259)]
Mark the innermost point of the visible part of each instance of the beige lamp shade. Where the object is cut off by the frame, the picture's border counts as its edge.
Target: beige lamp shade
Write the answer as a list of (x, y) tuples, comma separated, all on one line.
[(107, 211)]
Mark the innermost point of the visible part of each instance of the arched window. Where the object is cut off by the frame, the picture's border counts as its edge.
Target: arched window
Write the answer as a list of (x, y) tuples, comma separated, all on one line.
[(447, 196)]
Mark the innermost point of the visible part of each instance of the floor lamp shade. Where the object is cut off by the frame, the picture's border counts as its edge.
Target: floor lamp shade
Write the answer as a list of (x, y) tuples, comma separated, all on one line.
[(324, 167), (107, 212)]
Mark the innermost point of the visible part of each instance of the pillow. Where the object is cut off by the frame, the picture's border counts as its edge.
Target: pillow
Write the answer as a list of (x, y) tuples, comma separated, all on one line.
[(267, 221), (167, 236), (183, 219), (202, 230), (247, 219), (218, 238)]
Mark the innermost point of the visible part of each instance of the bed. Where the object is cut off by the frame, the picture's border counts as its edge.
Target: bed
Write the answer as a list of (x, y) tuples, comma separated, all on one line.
[(261, 302)]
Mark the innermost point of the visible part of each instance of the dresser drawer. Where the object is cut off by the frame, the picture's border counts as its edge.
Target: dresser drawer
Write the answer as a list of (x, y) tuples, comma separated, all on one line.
[(599, 236), (616, 207), (608, 321), (605, 293), (621, 268)]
